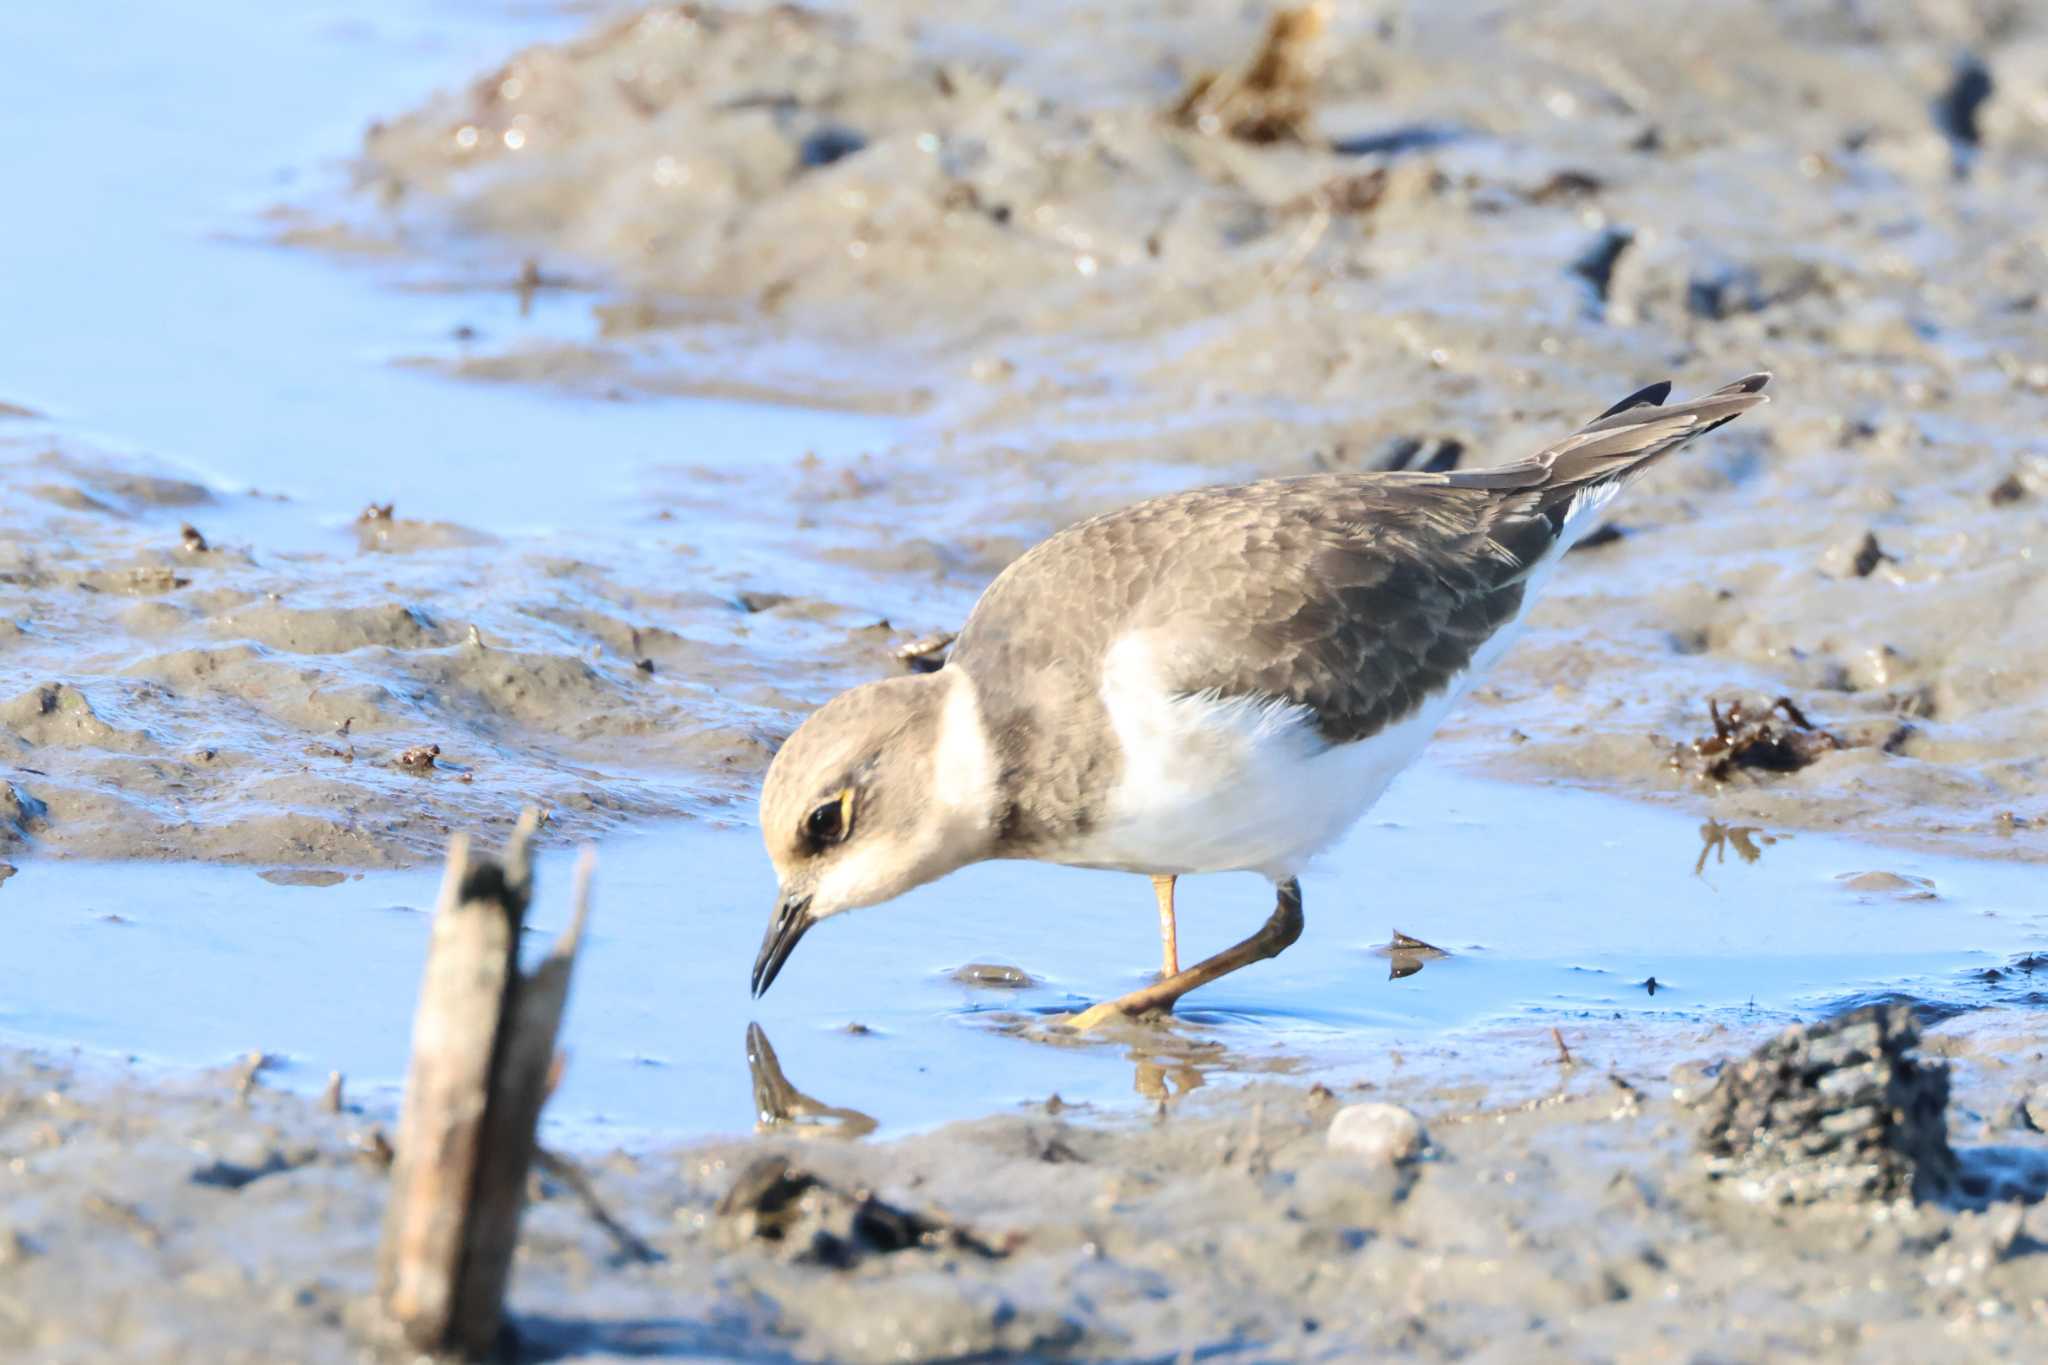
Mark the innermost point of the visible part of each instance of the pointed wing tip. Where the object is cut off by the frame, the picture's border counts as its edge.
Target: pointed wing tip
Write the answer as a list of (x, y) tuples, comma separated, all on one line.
[(1649, 396)]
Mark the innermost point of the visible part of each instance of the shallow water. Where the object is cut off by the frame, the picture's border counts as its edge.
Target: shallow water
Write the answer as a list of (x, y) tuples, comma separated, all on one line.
[(159, 317), (1553, 905)]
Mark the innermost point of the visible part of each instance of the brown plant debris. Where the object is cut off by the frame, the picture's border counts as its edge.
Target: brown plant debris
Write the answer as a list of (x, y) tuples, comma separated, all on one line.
[(1407, 955), (377, 511), (1833, 1108), (419, 757), (1745, 740), (1271, 97), (816, 1222)]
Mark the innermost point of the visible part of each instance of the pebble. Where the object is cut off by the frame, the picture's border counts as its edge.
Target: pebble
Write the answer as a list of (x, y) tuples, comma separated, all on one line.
[(1383, 1134), (1891, 885), (994, 974)]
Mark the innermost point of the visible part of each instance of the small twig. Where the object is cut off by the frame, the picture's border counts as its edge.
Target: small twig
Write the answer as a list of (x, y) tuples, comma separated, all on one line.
[(1564, 1054), (629, 1245)]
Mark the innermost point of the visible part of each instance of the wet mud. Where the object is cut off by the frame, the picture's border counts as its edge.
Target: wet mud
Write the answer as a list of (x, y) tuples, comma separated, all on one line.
[(1576, 1214), (1071, 286)]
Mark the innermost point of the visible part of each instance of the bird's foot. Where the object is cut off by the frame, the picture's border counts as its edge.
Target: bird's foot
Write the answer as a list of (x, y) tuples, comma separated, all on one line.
[(1158, 998), (1144, 1004)]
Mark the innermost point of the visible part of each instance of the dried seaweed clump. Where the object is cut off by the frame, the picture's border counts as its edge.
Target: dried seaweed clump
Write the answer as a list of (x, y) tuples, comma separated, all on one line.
[(1745, 740), (1271, 98), (1833, 1109)]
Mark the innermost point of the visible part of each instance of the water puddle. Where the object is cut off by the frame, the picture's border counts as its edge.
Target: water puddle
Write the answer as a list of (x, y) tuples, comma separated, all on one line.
[(1548, 907), (164, 320)]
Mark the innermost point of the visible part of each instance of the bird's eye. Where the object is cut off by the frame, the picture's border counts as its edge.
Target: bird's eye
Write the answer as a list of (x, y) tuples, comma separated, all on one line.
[(829, 823)]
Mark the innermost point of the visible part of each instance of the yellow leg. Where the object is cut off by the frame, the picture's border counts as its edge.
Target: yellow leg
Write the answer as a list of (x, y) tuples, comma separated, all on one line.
[(1281, 929), (1169, 936)]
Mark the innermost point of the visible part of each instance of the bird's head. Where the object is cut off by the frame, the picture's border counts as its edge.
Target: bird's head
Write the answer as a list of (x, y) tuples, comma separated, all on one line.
[(882, 789)]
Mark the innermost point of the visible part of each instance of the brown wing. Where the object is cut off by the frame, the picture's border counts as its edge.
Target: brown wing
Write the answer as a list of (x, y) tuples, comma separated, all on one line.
[(1355, 596)]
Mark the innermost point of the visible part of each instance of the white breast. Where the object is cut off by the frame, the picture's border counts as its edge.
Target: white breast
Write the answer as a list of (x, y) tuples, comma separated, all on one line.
[(1214, 784)]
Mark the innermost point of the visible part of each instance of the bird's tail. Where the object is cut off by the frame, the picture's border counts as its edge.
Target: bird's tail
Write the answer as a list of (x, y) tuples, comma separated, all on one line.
[(1582, 472)]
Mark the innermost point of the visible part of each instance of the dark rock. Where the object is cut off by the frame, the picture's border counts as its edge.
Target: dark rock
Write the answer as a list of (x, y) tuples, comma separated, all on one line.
[(832, 142), (1838, 1108), (1957, 107), (1596, 264)]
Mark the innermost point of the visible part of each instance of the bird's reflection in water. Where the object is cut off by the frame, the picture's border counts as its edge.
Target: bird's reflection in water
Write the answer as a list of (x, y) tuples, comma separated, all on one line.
[(780, 1107), (1406, 955), (1748, 841)]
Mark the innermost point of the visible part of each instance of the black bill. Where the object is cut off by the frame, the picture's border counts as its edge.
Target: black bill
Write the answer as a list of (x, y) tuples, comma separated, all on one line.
[(792, 918)]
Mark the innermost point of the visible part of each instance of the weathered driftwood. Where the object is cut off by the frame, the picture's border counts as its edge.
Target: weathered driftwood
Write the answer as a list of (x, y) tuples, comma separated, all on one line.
[(483, 1064)]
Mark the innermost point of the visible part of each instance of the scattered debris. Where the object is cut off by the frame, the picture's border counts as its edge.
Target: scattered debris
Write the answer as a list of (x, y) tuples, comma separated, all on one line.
[(832, 142), (246, 1071), (1407, 955), (1741, 740), (1595, 265), (1857, 560), (190, 537), (927, 653), (1270, 98), (1956, 108), (1565, 184), (126, 1216), (419, 757), (780, 1107), (1358, 193), (375, 1148), (1382, 1134), (816, 1222), (1836, 1107), (231, 1175)]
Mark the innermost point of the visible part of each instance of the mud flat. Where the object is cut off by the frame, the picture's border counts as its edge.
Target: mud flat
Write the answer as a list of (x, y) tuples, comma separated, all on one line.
[(1053, 237), (1564, 1216), (1443, 235)]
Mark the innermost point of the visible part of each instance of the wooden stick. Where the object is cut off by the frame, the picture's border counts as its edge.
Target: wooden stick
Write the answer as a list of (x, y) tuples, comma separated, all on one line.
[(482, 1065)]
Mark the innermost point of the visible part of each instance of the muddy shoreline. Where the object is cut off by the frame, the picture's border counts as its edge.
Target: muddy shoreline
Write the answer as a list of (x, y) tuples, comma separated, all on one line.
[(1566, 1214)]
